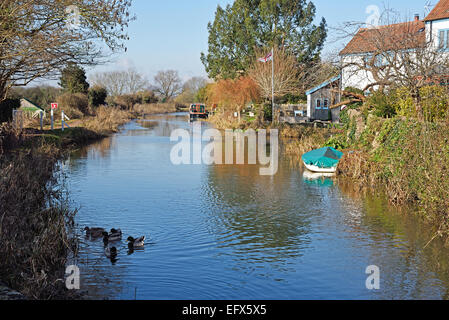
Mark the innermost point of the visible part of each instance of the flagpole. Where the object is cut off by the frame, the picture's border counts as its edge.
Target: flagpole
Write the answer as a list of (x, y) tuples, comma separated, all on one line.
[(272, 84)]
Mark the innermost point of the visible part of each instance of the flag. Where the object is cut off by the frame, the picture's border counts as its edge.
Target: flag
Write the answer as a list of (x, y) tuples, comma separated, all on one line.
[(267, 58)]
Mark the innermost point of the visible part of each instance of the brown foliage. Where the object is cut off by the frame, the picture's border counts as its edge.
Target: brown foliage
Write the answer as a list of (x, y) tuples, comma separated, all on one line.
[(233, 95), (75, 106), (286, 74), (33, 225)]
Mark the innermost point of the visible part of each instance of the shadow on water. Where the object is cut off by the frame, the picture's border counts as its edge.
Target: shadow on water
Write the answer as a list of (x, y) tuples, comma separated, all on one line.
[(225, 232)]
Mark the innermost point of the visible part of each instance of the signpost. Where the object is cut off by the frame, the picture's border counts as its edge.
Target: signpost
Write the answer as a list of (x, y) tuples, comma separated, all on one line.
[(54, 106)]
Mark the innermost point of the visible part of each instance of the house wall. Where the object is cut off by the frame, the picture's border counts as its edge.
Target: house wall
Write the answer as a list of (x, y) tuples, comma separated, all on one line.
[(320, 114), (433, 28), (351, 76)]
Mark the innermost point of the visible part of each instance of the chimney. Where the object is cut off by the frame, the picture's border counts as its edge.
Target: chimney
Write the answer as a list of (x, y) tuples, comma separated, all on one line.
[(416, 17)]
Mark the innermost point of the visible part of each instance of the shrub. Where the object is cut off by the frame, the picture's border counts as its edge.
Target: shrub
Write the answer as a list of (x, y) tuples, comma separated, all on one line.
[(6, 108), (147, 96), (434, 102), (75, 106), (126, 101), (97, 96), (383, 104)]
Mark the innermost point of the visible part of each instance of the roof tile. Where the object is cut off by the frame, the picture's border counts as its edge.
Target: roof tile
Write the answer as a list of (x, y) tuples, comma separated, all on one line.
[(441, 11)]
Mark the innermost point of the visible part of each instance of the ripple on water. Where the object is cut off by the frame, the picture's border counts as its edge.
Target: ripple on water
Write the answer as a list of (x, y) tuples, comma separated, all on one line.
[(225, 232)]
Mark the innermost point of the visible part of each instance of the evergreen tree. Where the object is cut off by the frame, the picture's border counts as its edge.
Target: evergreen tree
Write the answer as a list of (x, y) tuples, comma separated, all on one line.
[(73, 79), (239, 29)]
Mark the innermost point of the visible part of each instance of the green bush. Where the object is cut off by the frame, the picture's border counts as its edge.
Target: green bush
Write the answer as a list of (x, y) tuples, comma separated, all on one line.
[(6, 108), (97, 96), (267, 112), (434, 102), (384, 105), (337, 142)]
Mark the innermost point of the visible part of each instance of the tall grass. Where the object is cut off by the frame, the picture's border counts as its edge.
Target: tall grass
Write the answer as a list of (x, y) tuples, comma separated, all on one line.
[(154, 108), (107, 120), (34, 222)]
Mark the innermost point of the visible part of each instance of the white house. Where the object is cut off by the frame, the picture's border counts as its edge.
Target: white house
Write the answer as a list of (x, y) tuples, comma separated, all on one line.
[(434, 29)]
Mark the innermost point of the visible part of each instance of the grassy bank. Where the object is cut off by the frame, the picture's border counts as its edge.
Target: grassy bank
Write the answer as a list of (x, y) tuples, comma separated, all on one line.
[(34, 224), (35, 218), (407, 158)]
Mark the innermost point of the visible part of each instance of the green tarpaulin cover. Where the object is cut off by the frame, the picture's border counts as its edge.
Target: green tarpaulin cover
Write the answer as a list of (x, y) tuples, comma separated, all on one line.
[(323, 158)]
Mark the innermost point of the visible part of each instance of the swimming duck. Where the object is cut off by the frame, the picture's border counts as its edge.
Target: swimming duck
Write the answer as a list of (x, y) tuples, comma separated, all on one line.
[(136, 243), (94, 232), (115, 235), (110, 252)]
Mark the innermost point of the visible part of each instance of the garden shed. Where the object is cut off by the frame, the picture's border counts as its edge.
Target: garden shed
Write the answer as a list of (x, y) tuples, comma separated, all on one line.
[(321, 98)]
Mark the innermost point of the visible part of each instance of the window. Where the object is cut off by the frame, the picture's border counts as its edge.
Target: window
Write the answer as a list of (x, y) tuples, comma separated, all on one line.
[(318, 104), (443, 39), (326, 104)]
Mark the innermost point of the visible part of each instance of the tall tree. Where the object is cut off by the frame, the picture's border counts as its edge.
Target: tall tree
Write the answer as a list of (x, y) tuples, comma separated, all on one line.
[(39, 37), (239, 29), (73, 79), (168, 84), (120, 82)]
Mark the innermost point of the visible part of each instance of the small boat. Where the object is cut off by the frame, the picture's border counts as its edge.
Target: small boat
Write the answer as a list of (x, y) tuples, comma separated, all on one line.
[(198, 111), (324, 160)]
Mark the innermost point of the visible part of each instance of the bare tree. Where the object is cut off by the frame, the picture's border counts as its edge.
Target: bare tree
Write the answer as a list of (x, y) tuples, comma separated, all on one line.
[(286, 75), (39, 37), (190, 89), (168, 84), (120, 82), (395, 55)]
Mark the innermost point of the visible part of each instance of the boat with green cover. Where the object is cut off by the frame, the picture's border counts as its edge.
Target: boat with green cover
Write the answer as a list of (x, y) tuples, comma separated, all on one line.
[(323, 160)]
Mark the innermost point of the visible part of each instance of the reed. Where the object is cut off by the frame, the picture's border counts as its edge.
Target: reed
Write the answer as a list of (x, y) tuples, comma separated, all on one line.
[(107, 120), (154, 108), (34, 224)]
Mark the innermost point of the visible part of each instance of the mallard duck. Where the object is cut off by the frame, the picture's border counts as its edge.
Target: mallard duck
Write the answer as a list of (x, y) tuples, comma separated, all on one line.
[(115, 235), (136, 243), (94, 232), (110, 252)]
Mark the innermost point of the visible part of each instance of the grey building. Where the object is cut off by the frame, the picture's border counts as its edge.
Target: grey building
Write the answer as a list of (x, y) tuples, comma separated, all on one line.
[(321, 98)]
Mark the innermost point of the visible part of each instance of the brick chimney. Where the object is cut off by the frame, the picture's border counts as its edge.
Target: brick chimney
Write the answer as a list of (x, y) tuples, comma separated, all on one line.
[(416, 17)]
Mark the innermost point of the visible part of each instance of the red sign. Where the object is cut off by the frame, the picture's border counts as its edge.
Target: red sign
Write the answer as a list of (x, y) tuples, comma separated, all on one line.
[(54, 106)]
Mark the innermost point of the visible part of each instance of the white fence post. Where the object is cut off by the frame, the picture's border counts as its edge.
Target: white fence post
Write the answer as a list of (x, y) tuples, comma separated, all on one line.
[(52, 118), (63, 117), (41, 115)]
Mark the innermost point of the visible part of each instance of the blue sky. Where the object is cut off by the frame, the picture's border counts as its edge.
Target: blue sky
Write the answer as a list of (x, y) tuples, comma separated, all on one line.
[(171, 34)]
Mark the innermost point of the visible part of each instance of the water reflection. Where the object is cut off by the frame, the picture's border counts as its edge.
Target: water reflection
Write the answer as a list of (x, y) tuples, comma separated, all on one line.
[(225, 232)]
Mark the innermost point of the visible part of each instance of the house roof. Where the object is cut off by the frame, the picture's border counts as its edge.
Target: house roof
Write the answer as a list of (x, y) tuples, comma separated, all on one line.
[(26, 104), (441, 11), (404, 35), (324, 84)]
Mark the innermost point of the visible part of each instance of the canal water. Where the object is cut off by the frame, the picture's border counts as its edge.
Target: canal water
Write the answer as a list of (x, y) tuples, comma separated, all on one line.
[(226, 232)]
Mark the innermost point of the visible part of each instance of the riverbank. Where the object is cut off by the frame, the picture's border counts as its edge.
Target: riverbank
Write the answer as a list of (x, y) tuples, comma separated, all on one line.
[(36, 219), (406, 158)]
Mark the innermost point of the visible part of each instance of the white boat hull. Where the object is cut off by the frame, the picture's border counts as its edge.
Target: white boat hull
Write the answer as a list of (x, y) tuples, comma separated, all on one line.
[(320, 170)]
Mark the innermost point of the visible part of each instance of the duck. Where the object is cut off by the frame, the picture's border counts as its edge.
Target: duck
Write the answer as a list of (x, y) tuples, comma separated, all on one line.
[(115, 235), (94, 232), (110, 252), (136, 243)]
